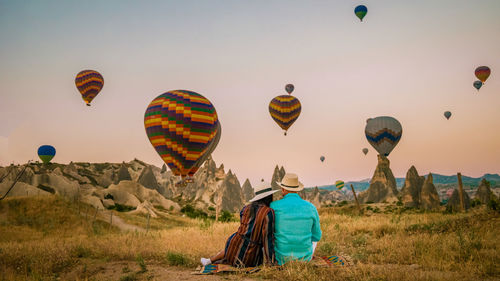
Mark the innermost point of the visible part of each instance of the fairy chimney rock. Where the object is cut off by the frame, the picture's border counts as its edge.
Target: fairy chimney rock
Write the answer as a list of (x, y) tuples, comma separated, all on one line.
[(382, 185), (410, 193), (247, 190), (484, 193), (429, 198), (123, 174), (454, 201), (148, 179)]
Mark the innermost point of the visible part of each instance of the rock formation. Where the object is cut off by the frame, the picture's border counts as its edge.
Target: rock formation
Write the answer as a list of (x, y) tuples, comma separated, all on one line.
[(410, 193), (484, 193), (454, 201), (429, 198), (247, 191), (383, 184), (230, 198), (163, 168), (278, 175), (148, 179), (123, 174)]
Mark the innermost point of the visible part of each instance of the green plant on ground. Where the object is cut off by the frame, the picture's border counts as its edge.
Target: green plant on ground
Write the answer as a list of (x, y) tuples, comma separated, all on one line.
[(141, 264)]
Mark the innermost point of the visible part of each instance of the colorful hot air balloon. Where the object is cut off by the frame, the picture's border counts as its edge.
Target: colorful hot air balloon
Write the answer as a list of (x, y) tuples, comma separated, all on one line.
[(46, 153), (477, 84), (208, 151), (339, 184), (181, 125), (383, 133), (322, 158), (447, 114), (360, 11), (285, 109), (289, 88), (89, 83), (482, 73), (365, 150)]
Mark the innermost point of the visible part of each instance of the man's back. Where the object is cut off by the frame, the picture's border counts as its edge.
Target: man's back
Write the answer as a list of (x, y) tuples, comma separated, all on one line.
[(297, 226)]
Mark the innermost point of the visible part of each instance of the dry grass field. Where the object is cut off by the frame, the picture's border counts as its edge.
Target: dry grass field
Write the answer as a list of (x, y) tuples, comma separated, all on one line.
[(48, 238)]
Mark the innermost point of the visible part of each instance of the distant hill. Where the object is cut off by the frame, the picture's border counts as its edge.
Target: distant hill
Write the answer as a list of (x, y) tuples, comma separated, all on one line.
[(441, 180)]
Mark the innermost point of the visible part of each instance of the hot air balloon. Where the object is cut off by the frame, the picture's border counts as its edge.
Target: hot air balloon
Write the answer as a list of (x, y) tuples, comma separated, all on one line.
[(322, 158), (285, 109), (482, 73), (181, 125), (383, 133), (208, 151), (89, 83), (289, 88), (477, 84), (360, 11), (46, 153), (365, 150), (447, 114), (339, 184)]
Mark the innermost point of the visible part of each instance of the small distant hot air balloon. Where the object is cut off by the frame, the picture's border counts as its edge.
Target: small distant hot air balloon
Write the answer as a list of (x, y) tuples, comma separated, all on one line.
[(360, 11), (365, 150), (89, 83), (322, 158), (181, 125), (285, 110), (447, 114), (482, 73), (289, 88), (383, 133), (477, 84), (46, 153), (339, 184)]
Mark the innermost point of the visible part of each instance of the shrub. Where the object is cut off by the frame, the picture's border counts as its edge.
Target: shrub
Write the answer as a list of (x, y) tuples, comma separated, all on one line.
[(141, 263), (226, 216), (177, 259), (109, 196), (493, 205), (191, 212)]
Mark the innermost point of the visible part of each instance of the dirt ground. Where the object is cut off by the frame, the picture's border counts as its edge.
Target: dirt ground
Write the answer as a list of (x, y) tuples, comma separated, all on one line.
[(129, 271)]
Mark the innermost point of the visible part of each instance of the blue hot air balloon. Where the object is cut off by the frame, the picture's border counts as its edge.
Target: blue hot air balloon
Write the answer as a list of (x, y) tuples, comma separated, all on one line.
[(46, 153), (360, 11), (478, 84)]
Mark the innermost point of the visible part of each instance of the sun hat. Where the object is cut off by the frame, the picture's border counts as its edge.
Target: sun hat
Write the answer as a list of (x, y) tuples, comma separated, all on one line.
[(291, 182), (262, 190)]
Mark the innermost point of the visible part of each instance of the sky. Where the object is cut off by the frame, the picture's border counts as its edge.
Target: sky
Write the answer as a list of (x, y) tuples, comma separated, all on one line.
[(411, 60)]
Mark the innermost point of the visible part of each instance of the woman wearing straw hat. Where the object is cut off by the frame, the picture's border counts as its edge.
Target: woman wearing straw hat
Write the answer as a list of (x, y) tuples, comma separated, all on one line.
[(297, 228), (253, 243)]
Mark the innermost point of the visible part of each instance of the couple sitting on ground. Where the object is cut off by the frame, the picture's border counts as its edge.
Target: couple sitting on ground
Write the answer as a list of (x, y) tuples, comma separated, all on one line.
[(273, 232)]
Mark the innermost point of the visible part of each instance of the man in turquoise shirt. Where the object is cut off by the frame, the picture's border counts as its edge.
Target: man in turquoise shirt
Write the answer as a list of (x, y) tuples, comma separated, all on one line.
[(297, 228)]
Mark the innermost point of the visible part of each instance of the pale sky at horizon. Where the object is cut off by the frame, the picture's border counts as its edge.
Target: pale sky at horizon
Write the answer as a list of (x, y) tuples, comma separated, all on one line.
[(412, 60)]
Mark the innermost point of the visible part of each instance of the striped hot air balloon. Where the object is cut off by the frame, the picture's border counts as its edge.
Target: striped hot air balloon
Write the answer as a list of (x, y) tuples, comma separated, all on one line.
[(89, 83), (383, 133), (181, 125), (339, 184), (285, 110), (46, 153), (209, 151), (482, 73)]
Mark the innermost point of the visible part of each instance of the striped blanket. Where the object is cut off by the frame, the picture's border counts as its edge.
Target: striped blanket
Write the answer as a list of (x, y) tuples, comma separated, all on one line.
[(316, 261)]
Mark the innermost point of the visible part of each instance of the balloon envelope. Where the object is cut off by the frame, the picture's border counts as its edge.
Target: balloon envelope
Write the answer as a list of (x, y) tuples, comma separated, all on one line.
[(365, 150), (322, 158), (289, 88), (46, 153), (447, 114), (477, 84), (89, 83), (383, 133), (482, 73), (181, 125), (208, 152), (339, 184), (285, 110), (360, 11)]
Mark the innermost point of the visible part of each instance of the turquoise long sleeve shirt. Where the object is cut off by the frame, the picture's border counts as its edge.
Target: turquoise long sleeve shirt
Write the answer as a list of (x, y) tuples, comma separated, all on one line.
[(296, 227)]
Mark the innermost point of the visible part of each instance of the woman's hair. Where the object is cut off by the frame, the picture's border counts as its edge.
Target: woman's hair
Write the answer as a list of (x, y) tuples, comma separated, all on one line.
[(264, 201)]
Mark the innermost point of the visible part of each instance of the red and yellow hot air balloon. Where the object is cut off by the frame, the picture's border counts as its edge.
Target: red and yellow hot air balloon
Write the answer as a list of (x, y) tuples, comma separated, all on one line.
[(89, 83), (482, 73), (181, 125)]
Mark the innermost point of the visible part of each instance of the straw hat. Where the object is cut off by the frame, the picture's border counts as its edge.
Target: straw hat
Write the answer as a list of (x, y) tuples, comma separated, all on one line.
[(291, 182), (262, 190)]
